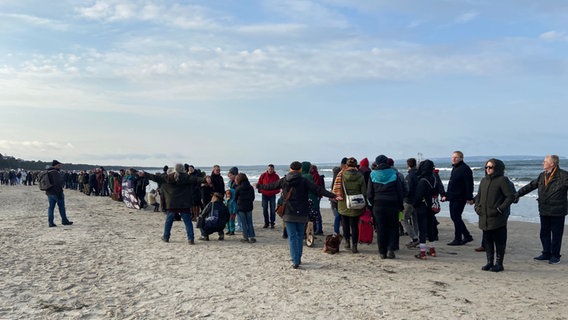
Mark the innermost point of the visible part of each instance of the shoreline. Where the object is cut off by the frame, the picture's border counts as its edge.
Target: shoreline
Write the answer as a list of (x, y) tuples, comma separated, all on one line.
[(112, 264)]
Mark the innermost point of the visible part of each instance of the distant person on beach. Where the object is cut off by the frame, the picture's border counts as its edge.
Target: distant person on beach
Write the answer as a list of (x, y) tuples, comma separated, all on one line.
[(269, 196), (410, 219), (55, 195), (177, 187), (244, 197), (231, 204), (319, 181), (333, 203), (349, 182), (552, 185), (460, 192), (214, 217), (386, 196), (217, 180), (492, 203), (297, 208), (422, 202)]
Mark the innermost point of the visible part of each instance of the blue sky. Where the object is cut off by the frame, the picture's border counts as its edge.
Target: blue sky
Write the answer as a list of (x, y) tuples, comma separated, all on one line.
[(147, 83)]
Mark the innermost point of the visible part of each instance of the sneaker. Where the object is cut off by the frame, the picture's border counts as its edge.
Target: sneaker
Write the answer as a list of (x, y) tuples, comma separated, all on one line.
[(244, 240), (456, 243), (51, 225), (554, 260), (480, 249), (191, 242), (432, 252), (295, 266), (165, 240), (272, 226), (265, 226), (67, 223), (542, 257), (421, 255), (252, 240)]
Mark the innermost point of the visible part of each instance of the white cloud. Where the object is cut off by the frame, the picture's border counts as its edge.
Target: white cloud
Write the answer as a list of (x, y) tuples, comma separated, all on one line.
[(466, 17), (554, 36), (36, 21)]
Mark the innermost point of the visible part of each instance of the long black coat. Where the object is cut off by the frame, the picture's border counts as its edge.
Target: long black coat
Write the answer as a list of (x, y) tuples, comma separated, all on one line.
[(494, 198)]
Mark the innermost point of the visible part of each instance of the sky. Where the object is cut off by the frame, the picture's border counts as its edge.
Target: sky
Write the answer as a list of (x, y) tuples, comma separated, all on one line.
[(148, 83)]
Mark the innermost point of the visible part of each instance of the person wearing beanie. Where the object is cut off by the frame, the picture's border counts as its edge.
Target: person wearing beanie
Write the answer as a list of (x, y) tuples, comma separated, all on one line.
[(385, 193), (296, 210), (364, 169), (333, 203), (231, 204), (55, 195)]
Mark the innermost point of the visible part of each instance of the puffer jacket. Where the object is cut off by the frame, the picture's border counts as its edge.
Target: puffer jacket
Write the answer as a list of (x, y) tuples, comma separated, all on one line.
[(297, 207), (354, 184), (244, 196), (385, 187), (494, 198), (552, 199), (178, 193)]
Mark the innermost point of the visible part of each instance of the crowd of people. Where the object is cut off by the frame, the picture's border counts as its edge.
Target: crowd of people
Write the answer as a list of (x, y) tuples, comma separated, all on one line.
[(400, 204)]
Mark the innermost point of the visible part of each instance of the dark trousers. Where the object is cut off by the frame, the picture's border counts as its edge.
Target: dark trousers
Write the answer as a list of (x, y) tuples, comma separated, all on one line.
[(456, 210), (386, 224), (425, 224), (551, 231), (495, 242), (351, 228)]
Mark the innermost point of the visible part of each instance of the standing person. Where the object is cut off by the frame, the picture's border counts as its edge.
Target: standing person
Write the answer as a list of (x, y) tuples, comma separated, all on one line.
[(385, 193), (410, 219), (196, 190), (492, 204), (422, 202), (244, 197), (319, 181), (55, 195), (460, 192), (217, 180), (296, 209), (207, 191), (269, 196), (231, 204), (333, 202), (177, 187), (350, 182), (552, 185)]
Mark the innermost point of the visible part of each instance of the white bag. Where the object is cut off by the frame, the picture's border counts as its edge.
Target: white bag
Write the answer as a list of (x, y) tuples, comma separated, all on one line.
[(355, 201)]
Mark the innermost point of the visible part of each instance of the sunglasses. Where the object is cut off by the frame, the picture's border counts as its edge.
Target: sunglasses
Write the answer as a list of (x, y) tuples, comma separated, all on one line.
[(488, 167)]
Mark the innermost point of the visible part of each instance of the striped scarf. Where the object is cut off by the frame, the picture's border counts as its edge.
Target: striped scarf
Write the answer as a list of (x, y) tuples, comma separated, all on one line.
[(338, 184)]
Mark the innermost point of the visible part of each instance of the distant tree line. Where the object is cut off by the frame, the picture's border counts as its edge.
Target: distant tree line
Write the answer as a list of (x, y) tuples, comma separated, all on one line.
[(9, 162)]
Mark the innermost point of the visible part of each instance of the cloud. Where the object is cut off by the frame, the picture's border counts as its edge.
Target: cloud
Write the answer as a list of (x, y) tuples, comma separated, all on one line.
[(36, 21), (466, 17), (553, 36)]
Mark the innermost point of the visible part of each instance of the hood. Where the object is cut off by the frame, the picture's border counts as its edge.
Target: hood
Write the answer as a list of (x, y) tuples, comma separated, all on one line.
[(351, 175), (293, 178), (383, 176), (425, 168), (364, 163), (306, 165), (499, 169)]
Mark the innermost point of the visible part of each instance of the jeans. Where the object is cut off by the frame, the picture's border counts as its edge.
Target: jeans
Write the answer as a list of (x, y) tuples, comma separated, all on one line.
[(245, 220), (296, 240), (266, 201), (456, 210), (60, 201), (386, 223), (185, 216), (410, 221), (551, 231), (336, 220)]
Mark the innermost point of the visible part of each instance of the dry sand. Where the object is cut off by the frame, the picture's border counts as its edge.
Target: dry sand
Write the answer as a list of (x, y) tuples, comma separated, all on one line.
[(111, 264)]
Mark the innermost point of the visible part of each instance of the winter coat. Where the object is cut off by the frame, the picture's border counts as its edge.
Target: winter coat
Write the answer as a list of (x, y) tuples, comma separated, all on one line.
[(425, 186), (178, 192), (218, 183), (215, 216), (266, 178), (354, 184), (244, 196), (385, 188), (411, 182), (56, 180), (297, 207), (460, 187), (552, 199), (494, 198)]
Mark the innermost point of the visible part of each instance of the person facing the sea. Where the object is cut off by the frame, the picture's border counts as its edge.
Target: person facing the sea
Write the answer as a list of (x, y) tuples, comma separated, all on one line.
[(460, 192), (552, 185), (297, 208), (269, 196), (244, 197), (231, 204), (55, 195), (492, 203), (410, 219), (422, 202), (177, 187)]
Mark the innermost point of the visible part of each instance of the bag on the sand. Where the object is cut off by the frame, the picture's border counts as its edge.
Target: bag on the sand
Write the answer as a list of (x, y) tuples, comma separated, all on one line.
[(435, 202), (44, 181), (332, 243)]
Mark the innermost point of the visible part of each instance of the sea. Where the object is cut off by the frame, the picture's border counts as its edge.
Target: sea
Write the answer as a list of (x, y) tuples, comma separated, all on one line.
[(520, 170)]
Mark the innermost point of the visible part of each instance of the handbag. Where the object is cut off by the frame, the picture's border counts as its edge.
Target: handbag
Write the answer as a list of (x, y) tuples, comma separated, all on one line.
[(355, 201), (280, 208)]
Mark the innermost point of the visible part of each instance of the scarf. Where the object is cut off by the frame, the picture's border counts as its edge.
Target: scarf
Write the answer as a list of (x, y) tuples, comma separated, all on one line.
[(338, 184)]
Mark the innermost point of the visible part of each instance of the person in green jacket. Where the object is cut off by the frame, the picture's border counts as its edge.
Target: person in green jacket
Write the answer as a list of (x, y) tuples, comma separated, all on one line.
[(492, 204)]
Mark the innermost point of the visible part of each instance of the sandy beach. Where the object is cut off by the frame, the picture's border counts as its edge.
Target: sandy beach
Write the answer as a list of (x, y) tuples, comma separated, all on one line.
[(111, 264)]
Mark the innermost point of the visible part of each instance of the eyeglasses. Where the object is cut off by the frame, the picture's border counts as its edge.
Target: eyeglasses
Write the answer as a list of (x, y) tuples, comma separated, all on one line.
[(488, 167)]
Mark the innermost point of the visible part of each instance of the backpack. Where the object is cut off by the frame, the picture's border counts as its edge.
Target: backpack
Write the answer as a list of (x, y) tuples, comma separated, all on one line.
[(435, 204), (44, 181)]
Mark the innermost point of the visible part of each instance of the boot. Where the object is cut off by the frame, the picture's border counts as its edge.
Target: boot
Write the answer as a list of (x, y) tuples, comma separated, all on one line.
[(498, 267), (354, 248), (347, 243), (490, 256)]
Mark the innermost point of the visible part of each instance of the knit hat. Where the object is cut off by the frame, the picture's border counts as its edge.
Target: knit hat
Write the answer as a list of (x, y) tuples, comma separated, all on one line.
[(234, 171), (364, 162), (381, 159), (54, 163)]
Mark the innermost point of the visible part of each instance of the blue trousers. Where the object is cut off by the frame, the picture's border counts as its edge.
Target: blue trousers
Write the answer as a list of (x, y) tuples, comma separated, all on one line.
[(551, 231), (296, 240)]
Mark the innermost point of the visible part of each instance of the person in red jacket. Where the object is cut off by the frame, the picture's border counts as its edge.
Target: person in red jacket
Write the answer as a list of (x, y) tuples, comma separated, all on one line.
[(269, 196)]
